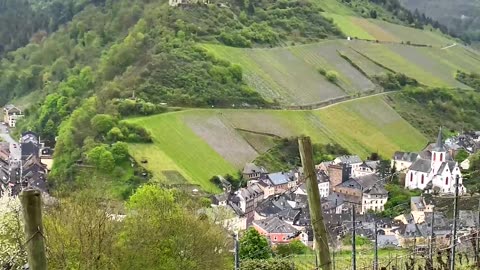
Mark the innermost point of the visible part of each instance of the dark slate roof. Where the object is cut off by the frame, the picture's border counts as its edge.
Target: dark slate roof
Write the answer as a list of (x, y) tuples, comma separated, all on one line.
[(289, 214), (372, 164), (439, 147), (219, 198), (367, 181), (28, 149), (273, 206), (418, 201), (405, 156), (376, 189), (275, 225), (350, 159), (252, 168), (322, 177), (351, 183), (251, 192), (421, 165), (387, 241)]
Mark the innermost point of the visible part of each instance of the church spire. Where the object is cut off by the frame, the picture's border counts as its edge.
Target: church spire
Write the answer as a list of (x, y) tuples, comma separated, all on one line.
[(439, 144)]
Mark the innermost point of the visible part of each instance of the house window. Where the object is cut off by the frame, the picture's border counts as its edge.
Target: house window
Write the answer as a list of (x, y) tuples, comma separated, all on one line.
[(434, 156), (411, 177), (275, 238), (446, 181), (441, 157), (423, 178)]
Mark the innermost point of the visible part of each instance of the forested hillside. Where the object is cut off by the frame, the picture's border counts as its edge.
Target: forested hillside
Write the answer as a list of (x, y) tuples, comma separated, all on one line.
[(26, 21), (461, 17)]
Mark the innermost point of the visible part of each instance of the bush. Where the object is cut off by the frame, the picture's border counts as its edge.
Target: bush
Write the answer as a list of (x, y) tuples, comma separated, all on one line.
[(322, 71), (292, 248), (332, 76)]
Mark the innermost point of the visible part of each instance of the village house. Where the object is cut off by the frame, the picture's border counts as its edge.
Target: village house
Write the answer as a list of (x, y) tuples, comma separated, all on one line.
[(281, 181), (11, 114), (276, 230), (352, 161), (367, 191), (436, 169), (253, 172), (323, 185), (366, 168), (401, 161), (247, 200)]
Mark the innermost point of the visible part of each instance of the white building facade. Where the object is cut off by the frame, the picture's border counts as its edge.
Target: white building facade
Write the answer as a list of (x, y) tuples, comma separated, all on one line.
[(439, 172)]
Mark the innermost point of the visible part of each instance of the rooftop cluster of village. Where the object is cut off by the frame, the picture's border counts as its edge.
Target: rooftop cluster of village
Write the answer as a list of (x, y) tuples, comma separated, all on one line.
[(276, 204), (24, 163)]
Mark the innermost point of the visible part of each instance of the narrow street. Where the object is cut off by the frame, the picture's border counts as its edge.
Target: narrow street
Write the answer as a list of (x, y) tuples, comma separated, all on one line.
[(15, 152)]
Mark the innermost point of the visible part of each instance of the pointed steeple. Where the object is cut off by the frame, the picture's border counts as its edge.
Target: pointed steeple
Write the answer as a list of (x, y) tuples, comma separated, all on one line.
[(439, 144)]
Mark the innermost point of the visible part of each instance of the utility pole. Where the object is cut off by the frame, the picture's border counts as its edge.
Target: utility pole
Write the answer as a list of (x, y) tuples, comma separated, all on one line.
[(32, 215), (375, 263), (354, 248), (477, 249), (430, 248), (455, 216), (237, 251), (316, 214)]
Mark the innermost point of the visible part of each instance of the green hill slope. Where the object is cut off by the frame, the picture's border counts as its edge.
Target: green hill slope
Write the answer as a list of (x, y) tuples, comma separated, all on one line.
[(198, 144)]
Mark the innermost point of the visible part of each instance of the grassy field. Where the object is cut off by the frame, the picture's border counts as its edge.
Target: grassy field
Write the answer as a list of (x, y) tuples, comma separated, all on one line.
[(197, 144), (349, 26), (430, 66), (371, 29), (343, 259)]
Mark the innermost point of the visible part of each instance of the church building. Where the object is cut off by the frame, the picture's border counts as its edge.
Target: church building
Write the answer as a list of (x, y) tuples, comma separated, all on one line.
[(434, 169)]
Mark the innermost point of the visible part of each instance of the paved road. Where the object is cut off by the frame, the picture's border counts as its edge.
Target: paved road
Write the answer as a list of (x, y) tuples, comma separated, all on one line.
[(15, 151), (354, 99)]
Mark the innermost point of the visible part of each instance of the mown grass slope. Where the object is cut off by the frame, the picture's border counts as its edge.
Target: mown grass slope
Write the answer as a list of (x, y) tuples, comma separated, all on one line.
[(371, 29), (362, 126)]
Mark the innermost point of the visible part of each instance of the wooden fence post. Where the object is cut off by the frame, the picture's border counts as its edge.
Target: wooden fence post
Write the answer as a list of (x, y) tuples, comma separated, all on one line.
[(32, 214)]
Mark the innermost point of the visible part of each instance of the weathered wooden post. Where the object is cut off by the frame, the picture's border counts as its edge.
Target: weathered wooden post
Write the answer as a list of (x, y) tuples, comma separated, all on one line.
[(32, 214), (316, 215)]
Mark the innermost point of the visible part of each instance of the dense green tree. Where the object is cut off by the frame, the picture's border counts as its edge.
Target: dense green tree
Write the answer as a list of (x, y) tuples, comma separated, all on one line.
[(119, 151), (160, 232), (292, 248), (102, 123), (254, 246)]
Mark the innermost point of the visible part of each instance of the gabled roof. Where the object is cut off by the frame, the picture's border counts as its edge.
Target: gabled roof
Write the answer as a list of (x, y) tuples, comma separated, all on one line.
[(275, 225), (421, 165), (368, 181), (376, 189), (405, 156), (250, 192), (252, 168), (10, 107)]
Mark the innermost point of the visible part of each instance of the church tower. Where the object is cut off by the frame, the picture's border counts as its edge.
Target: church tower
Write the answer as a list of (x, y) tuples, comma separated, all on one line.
[(439, 154)]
